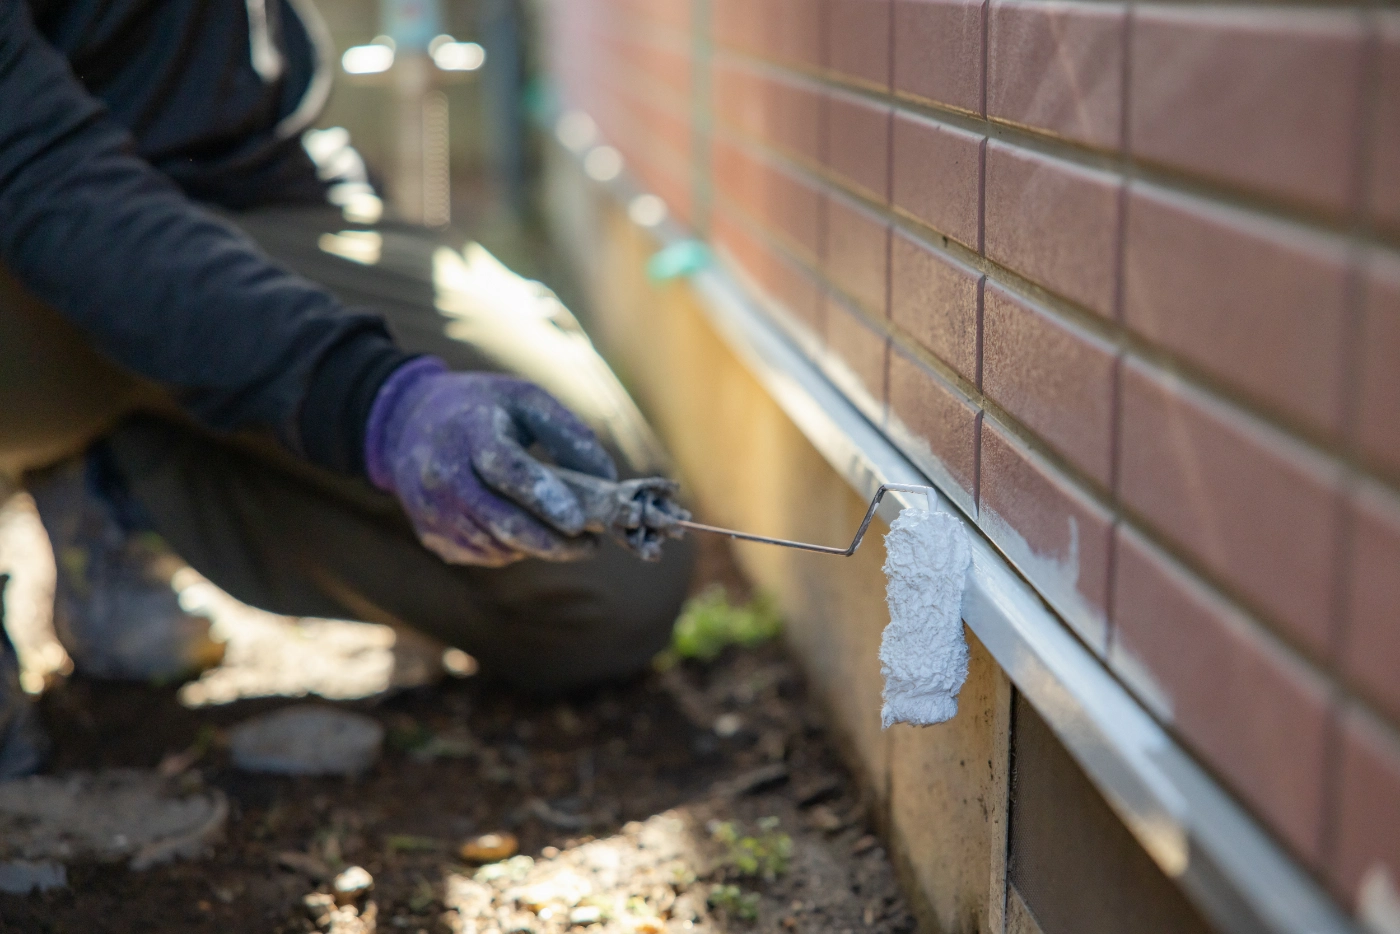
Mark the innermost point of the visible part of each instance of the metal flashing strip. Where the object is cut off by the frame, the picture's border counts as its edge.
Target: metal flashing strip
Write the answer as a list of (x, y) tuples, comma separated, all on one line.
[(1200, 837)]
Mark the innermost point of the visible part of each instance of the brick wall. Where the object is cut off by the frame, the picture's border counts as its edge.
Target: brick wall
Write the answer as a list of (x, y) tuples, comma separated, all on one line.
[(1126, 279)]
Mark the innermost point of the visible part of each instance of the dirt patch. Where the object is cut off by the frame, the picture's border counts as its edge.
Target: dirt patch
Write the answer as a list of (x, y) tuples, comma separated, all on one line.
[(704, 798)]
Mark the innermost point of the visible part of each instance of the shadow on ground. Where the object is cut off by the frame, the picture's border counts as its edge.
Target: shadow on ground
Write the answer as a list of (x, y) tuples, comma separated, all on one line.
[(657, 805)]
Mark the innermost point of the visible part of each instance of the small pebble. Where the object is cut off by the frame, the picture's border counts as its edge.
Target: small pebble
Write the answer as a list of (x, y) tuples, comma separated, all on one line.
[(318, 905), (20, 876), (351, 884), (728, 725), (307, 739), (459, 664), (489, 848), (863, 845), (586, 914), (824, 819)]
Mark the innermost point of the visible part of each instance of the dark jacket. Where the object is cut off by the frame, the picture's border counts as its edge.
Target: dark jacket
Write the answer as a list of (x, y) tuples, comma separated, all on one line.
[(114, 115)]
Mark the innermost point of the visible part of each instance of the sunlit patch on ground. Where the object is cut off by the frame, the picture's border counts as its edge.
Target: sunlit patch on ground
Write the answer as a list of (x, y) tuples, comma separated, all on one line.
[(271, 655), (635, 880), (25, 556), (678, 871), (267, 655)]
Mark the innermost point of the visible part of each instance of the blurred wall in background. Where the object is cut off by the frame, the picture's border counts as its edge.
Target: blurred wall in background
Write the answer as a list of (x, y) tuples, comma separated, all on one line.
[(481, 104)]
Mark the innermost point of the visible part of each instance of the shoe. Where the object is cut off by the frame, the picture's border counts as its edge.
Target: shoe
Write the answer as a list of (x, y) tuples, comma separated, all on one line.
[(23, 744), (114, 610)]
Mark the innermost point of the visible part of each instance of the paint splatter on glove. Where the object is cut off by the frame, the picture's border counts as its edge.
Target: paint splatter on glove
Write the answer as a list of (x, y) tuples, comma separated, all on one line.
[(453, 447)]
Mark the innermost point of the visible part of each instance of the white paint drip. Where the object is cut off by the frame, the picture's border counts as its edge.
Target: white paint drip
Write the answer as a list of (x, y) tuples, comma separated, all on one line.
[(1055, 576), (923, 655)]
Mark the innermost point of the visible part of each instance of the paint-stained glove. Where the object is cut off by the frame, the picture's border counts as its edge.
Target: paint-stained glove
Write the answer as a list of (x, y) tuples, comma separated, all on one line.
[(453, 448)]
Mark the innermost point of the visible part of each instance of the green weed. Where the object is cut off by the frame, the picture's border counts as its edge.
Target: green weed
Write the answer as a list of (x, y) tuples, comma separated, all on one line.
[(734, 901), (709, 624), (764, 854), (423, 897)]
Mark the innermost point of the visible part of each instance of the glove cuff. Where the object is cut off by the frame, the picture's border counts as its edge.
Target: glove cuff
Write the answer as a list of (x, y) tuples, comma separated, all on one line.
[(385, 419)]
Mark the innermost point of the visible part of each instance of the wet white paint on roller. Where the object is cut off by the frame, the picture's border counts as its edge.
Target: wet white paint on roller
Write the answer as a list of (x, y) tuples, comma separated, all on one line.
[(923, 655)]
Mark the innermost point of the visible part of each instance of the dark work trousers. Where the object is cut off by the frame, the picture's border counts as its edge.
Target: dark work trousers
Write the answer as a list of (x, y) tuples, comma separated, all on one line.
[(283, 535)]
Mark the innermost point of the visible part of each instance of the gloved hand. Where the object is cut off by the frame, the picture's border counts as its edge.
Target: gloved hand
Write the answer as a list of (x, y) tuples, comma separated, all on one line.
[(453, 448)]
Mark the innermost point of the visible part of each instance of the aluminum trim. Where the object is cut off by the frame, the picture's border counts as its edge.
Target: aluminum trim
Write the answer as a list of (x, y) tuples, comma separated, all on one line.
[(1196, 833)]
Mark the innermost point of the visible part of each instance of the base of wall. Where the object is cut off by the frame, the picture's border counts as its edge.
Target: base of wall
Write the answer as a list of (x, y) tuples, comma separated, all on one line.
[(938, 794)]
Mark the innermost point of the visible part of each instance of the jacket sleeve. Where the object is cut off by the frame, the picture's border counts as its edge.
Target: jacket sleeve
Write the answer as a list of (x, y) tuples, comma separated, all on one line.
[(159, 285)]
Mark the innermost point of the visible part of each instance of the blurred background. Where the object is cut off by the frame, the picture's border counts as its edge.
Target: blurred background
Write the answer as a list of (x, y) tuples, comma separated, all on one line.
[(441, 133)]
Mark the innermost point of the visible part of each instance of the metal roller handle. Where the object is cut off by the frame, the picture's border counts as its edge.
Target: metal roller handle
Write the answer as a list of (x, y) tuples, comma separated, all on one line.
[(640, 514), (808, 546)]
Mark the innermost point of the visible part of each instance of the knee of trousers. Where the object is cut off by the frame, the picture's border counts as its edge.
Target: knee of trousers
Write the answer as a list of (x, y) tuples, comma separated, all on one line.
[(615, 628)]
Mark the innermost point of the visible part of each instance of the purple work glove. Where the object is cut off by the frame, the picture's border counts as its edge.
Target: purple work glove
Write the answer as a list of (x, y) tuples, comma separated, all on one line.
[(453, 448)]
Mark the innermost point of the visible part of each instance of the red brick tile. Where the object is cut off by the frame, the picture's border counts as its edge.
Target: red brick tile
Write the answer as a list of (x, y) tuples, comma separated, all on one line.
[(1378, 416), (783, 203), (1371, 656), (1053, 222), (1058, 66), (736, 24), (785, 113), (856, 357), (938, 177), (1265, 98), (858, 40), (858, 143), (664, 131), (857, 252), (1253, 712), (937, 300), (1259, 511), (798, 28), (1052, 376), (786, 31), (655, 142), (656, 64), (938, 51), (1368, 817), (675, 14), (781, 280), (936, 425), (1048, 528), (1259, 304), (1384, 194), (671, 65)]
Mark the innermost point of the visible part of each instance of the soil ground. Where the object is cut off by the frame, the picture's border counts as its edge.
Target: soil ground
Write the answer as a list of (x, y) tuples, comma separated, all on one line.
[(622, 800)]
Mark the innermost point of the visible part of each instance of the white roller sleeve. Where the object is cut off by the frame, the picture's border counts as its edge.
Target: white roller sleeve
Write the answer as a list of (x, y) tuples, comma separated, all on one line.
[(923, 655)]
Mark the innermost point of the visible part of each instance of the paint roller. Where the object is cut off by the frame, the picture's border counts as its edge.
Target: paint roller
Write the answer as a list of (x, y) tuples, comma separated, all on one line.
[(923, 655)]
